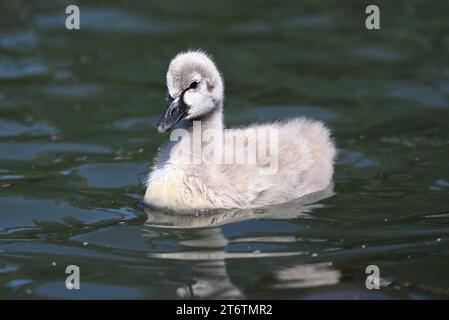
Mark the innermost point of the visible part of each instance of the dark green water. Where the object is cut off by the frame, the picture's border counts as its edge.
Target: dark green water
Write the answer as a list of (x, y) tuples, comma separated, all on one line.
[(77, 115)]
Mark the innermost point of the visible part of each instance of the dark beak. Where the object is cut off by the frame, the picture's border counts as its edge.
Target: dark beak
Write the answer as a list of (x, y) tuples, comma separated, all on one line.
[(176, 111)]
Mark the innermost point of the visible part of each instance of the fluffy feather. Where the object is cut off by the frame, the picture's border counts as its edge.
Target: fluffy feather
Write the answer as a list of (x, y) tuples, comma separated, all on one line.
[(304, 160)]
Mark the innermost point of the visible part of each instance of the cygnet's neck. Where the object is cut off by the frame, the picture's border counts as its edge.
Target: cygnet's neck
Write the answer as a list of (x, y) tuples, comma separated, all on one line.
[(210, 121), (201, 139)]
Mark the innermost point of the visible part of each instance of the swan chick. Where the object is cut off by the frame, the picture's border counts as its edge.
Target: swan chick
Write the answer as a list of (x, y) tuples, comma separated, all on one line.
[(205, 166)]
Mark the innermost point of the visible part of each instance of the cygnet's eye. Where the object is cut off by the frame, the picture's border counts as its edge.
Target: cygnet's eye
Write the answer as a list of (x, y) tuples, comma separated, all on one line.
[(193, 85)]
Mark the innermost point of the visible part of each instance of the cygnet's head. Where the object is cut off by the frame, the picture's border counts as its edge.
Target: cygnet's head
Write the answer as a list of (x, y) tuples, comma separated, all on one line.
[(195, 89)]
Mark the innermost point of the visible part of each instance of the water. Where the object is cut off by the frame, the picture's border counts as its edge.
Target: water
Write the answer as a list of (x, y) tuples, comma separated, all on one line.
[(77, 115)]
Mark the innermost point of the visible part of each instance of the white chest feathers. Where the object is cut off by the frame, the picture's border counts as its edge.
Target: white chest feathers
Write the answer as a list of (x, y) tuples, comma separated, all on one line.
[(173, 189)]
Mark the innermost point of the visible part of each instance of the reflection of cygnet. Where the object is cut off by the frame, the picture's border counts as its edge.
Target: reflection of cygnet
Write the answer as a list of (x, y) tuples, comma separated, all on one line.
[(206, 251), (212, 280), (205, 247), (303, 149), (200, 242), (216, 286)]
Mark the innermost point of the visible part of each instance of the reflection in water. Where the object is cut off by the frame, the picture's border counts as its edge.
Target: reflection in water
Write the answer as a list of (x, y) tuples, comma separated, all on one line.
[(306, 276), (207, 250), (206, 247), (213, 218)]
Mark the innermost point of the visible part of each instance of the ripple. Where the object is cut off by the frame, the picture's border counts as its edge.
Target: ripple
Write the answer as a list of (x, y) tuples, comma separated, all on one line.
[(19, 213), (135, 123), (408, 142), (44, 250), (88, 290), (438, 215), (378, 53), (444, 84), (12, 128), (7, 268), (73, 90), (424, 95), (276, 239), (249, 27), (21, 68), (107, 20), (17, 283), (117, 237), (11, 177), (18, 41), (30, 151), (440, 184), (355, 158), (113, 175), (351, 294), (311, 21)]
